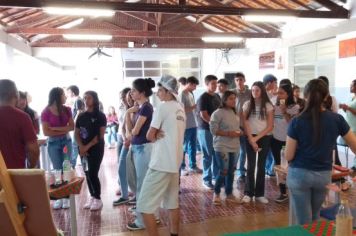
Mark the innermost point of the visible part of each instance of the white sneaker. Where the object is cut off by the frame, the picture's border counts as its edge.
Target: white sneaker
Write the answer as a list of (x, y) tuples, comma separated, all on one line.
[(65, 203), (246, 199), (57, 204), (262, 200), (97, 205), (88, 204)]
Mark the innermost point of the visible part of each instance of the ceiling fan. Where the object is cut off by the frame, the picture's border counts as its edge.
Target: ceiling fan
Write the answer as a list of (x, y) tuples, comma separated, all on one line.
[(99, 51)]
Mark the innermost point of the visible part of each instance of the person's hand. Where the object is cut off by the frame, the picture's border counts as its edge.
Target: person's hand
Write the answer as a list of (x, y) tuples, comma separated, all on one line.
[(283, 108), (253, 140), (133, 109), (94, 141), (127, 142), (255, 146), (160, 134), (83, 150), (234, 133), (344, 107)]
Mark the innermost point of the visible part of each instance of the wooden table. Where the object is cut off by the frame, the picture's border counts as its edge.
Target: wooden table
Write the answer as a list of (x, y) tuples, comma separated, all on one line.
[(69, 189), (336, 176)]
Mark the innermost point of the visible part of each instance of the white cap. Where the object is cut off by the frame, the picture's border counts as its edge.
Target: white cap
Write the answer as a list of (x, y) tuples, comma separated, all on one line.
[(170, 83)]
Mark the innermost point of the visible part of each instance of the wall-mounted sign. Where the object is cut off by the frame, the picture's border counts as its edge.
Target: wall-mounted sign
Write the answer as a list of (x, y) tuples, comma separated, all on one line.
[(266, 60), (347, 48)]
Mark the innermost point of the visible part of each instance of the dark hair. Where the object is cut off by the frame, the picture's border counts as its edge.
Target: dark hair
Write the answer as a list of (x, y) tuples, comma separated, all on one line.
[(264, 101), (123, 94), (74, 89), (192, 80), (224, 98), (223, 81), (239, 74), (8, 90), (354, 81), (295, 87), (288, 89), (55, 97), (182, 80), (268, 79), (209, 78), (315, 91), (144, 86), (325, 79), (285, 81), (96, 101), (22, 95)]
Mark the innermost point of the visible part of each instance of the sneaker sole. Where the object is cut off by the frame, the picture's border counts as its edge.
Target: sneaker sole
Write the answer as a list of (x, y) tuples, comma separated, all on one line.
[(120, 203), (281, 201), (134, 229)]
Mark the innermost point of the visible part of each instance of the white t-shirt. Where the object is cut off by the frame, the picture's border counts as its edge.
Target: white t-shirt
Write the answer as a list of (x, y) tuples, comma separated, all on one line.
[(280, 124), (167, 152), (257, 125)]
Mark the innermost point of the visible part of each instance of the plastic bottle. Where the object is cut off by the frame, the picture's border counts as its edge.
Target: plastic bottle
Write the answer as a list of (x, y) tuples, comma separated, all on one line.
[(284, 162), (66, 165), (344, 220), (85, 163)]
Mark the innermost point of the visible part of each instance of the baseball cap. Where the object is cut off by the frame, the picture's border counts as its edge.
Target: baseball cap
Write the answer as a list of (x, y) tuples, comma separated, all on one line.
[(170, 83)]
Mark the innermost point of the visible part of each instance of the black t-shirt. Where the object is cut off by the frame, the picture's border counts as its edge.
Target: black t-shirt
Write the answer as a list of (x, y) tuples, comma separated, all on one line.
[(78, 105), (209, 103), (89, 124)]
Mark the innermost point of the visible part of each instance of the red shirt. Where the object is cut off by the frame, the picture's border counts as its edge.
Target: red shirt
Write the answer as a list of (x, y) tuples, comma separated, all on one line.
[(16, 130)]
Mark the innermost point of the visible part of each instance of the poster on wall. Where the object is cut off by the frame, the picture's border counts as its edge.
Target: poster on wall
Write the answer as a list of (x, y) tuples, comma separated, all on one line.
[(267, 60), (347, 48)]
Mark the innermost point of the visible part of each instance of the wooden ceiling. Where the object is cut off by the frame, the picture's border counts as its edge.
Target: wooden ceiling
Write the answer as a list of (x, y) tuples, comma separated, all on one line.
[(162, 23)]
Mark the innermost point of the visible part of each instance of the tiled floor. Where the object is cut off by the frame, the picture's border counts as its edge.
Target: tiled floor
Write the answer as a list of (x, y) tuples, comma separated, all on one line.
[(198, 215)]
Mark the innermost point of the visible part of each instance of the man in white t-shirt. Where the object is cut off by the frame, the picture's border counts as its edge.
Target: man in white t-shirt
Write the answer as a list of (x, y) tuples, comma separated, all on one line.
[(161, 184)]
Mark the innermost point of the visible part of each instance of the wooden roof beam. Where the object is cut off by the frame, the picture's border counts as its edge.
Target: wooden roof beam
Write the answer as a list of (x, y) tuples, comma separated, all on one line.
[(331, 5), (174, 9), (141, 17), (300, 3), (135, 33)]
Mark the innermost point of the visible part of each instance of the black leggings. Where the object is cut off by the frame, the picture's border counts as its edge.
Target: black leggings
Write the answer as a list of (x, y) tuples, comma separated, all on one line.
[(95, 157), (276, 147)]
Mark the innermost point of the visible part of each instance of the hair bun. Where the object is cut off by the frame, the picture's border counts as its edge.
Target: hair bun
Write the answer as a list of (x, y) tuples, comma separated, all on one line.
[(150, 82)]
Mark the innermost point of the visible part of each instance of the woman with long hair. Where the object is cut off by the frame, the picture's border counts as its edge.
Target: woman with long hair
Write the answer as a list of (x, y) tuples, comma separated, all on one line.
[(310, 143), (112, 126), (126, 103), (285, 109), (257, 118), (225, 127), (297, 99), (136, 132), (57, 122), (22, 103), (89, 134)]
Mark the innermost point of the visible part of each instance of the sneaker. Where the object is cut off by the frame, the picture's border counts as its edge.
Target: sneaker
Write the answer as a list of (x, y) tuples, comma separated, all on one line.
[(246, 199), (231, 198), (184, 172), (282, 198), (195, 170), (216, 199), (97, 205), (132, 201), (120, 201), (262, 200), (132, 209), (65, 203), (89, 202), (208, 185), (133, 227), (57, 204)]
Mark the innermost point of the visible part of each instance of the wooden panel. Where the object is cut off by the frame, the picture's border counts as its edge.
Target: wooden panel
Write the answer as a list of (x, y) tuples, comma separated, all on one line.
[(347, 48)]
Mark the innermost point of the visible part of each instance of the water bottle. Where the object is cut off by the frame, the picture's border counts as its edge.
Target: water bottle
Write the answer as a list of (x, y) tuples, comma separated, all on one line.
[(284, 162), (344, 220), (66, 165)]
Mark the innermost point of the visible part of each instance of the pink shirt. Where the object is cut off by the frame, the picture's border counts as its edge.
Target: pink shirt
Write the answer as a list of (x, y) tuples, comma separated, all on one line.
[(54, 120)]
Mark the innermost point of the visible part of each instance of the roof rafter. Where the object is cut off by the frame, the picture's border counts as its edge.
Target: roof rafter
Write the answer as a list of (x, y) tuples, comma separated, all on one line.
[(167, 8)]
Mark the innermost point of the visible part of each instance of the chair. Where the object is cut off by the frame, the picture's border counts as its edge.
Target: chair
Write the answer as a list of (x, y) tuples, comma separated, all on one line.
[(24, 203)]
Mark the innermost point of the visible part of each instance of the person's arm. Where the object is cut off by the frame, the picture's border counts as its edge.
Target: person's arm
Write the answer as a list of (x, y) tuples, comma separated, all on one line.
[(247, 130), (350, 139), (291, 147), (152, 134), (205, 116), (139, 123), (269, 127), (64, 129), (215, 127), (189, 109), (33, 151)]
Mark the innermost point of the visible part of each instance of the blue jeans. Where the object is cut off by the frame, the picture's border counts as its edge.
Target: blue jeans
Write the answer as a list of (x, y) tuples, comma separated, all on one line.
[(227, 165), (111, 133), (189, 147), (55, 147), (308, 192), (241, 171), (270, 163), (122, 155), (75, 152), (142, 156), (210, 169)]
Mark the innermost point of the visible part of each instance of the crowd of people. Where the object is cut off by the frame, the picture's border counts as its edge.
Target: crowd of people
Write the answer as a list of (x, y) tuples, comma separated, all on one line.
[(229, 126)]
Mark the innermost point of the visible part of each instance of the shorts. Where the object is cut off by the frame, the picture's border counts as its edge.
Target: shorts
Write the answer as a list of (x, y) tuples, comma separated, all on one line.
[(159, 188)]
